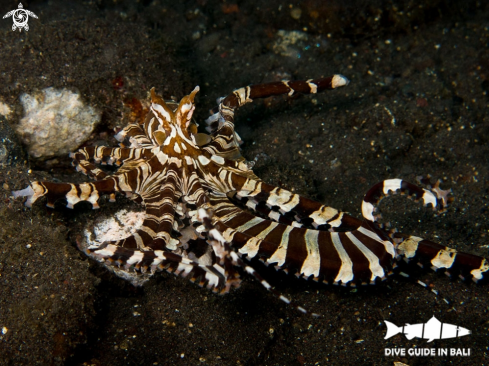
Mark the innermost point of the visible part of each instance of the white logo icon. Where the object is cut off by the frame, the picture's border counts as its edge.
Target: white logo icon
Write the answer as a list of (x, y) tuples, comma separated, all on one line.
[(20, 17), (433, 329)]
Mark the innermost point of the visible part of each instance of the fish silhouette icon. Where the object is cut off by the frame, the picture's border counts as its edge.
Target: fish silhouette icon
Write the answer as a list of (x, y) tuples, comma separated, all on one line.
[(431, 330)]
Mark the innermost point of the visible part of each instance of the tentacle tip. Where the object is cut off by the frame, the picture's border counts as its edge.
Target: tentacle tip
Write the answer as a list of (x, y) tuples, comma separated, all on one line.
[(120, 136), (26, 192), (338, 81)]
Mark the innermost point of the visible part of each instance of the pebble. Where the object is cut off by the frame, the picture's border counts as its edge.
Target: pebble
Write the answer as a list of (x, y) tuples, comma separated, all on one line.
[(296, 13), (56, 122)]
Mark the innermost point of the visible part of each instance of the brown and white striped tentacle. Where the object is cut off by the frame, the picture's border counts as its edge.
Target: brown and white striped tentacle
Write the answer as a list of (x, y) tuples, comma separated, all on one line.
[(442, 195), (438, 257), (148, 247), (221, 124), (194, 193), (153, 235), (217, 176), (221, 249), (303, 210), (425, 252), (359, 256), (392, 186), (262, 210), (155, 232), (84, 157), (129, 182), (73, 193), (245, 95), (210, 276), (251, 227), (133, 136), (252, 191), (224, 142), (216, 236), (215, 171)]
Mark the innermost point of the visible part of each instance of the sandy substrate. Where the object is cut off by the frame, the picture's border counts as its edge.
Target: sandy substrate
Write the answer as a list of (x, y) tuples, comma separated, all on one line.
[(416, 105)]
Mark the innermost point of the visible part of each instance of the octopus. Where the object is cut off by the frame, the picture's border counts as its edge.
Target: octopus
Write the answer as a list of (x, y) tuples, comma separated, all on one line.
[(206, 214)]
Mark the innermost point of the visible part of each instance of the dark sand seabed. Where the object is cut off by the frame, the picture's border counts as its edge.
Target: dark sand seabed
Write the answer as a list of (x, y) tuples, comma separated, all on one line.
[(426, 66)]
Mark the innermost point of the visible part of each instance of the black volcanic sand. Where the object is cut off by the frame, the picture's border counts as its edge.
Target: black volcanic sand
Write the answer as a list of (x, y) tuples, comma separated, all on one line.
[(416, 105)]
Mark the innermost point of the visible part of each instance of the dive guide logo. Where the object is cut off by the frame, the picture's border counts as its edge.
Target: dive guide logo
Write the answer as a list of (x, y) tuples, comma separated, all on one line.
[(431, 330), (20, 17)]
